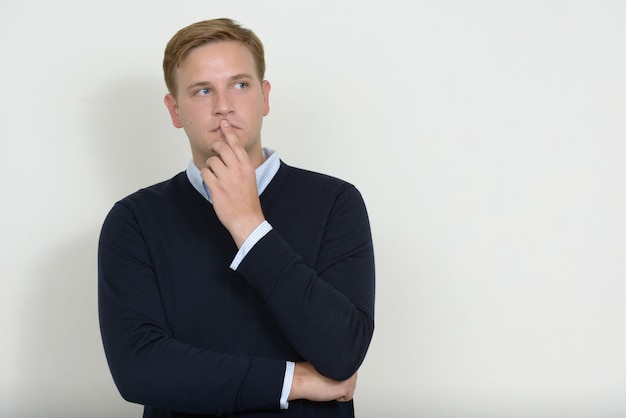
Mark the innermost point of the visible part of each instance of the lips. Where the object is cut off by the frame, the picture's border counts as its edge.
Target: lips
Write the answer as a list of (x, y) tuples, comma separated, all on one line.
[(231, 124)]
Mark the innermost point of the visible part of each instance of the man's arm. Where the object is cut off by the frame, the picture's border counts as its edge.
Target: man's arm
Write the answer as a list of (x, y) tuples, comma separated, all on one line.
[(326, 312), (150, 366)]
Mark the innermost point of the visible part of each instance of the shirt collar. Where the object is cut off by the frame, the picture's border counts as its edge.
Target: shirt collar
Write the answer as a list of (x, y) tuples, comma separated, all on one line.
[(264, 174)]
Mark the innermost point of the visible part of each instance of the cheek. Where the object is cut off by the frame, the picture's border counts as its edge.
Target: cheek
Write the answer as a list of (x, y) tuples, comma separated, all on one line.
[(188, 118), (264, 105)]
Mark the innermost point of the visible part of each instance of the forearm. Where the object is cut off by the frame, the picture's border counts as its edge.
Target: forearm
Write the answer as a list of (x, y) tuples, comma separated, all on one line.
[(324, 325), (325, 307), (152, 366)]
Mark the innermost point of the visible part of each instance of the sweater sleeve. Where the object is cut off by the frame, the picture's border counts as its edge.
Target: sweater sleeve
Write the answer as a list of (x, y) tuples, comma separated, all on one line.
[(327, 310), (148, 364)]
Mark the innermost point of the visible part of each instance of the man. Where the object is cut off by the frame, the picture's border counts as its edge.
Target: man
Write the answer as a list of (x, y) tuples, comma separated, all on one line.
[(242, 286)]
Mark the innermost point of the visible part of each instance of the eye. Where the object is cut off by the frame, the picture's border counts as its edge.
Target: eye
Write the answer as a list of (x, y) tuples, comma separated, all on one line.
[(203, 92), (241, 85)]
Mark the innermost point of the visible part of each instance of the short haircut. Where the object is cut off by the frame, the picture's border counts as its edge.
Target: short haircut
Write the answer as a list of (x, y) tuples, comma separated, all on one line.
[(203, 33)]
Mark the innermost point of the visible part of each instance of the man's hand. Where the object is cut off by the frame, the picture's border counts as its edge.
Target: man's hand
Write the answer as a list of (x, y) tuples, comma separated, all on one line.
[(309, 384), (231, 180)]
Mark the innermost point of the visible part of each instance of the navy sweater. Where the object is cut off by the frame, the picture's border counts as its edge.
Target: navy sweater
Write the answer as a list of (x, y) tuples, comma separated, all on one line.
[(183, 332)]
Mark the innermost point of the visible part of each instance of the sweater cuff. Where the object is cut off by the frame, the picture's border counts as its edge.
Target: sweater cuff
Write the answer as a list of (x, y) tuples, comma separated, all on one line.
[(263, 385), (264, 264)]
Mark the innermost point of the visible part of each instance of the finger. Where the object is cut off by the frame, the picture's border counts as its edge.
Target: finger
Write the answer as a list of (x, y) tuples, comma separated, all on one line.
[(232, 139), (224, 153), (208, 176), (214, 166), (226, 149)]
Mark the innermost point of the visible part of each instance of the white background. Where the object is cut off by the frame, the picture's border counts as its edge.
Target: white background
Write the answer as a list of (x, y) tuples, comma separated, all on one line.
[(487, 137)]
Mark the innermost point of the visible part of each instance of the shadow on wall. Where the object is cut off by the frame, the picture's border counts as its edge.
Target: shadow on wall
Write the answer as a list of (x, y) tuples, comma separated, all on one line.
[(61, 363), (62, 368)]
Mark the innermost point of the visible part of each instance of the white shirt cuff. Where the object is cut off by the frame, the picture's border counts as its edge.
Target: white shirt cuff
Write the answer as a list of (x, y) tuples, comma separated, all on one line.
[(250, 242), (289, 370)]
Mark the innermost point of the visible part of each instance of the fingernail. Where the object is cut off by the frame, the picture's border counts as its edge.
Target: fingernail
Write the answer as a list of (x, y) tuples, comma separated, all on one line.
[(225, 122)]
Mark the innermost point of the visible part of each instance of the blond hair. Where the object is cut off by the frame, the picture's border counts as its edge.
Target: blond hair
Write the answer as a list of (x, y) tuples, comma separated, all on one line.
[(203, 33)]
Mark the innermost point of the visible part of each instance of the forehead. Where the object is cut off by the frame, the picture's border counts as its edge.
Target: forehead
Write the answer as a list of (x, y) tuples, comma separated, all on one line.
[(216, 59)]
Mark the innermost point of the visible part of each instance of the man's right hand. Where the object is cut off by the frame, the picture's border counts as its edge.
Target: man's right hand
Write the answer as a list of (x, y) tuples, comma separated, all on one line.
[(309, 384)]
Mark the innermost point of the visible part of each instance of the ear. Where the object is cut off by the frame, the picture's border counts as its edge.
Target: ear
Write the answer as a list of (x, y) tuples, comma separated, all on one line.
[(266, 97), (172, 107)]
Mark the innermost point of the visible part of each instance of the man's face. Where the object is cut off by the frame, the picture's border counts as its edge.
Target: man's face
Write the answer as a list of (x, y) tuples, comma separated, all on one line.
[(215, 82)]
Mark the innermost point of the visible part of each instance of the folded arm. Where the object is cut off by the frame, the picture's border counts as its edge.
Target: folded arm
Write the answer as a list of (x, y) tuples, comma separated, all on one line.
[(326, 310)]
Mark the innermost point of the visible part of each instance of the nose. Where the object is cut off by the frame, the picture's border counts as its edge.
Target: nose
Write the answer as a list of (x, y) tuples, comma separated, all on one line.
[(223, 104)]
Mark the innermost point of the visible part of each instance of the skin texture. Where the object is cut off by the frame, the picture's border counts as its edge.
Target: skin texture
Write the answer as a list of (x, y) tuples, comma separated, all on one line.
[(221, 104)]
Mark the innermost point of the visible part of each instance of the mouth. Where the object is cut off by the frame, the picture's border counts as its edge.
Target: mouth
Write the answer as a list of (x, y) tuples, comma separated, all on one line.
[(217, 129)]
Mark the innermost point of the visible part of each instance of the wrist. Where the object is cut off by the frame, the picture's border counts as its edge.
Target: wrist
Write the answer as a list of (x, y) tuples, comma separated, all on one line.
[(245, 229)]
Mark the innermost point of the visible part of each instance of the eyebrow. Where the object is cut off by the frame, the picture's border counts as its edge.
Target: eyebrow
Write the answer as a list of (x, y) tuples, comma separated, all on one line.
[(237, 77)]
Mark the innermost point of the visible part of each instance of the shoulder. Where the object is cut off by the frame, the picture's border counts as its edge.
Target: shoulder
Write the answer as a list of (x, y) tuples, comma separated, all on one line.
[(152, 201), (311, 181), (159, 191), (149, 208), (311, 190)]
